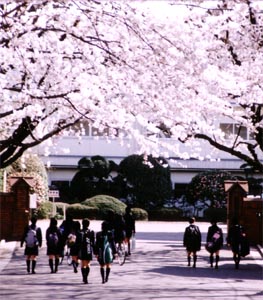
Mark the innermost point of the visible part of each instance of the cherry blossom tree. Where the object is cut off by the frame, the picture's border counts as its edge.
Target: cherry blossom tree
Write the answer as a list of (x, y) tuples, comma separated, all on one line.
[(121, 66)]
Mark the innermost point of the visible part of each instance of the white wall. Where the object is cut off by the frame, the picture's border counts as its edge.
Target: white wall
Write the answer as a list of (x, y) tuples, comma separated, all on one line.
[(64, 156)]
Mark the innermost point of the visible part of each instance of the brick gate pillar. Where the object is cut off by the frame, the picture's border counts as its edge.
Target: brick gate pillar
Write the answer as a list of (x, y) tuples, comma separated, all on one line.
[(21, 189)]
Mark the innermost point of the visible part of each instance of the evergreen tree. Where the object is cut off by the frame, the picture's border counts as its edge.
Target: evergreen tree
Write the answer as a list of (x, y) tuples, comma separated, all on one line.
[(148, 183)]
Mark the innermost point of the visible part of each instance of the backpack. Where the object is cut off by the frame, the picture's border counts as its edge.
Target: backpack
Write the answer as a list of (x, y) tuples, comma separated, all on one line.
[(105, 250), (193, 233), (52, 239), (244, 245), (31, 238), (71, 239), (216, 236), (214, 242)]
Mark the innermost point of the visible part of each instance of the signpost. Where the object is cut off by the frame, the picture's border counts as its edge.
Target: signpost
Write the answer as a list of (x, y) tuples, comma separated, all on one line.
[(33, 201), (53, 194)]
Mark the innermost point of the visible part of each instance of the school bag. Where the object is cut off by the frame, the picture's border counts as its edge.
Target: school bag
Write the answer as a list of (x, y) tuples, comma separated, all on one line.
[(104, 249), (71, 239), (193, 233), (52, 239), (244, 245), (107, 250), (214, 242), (31, 238)]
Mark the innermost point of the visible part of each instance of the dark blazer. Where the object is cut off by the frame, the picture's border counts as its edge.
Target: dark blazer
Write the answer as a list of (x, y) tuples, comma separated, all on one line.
[(219, 242), (192, 243), (235, 237), (33, 250)]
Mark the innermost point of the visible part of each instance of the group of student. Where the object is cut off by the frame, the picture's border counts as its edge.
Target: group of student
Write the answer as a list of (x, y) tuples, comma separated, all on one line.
[(236, 239), (82, 242)]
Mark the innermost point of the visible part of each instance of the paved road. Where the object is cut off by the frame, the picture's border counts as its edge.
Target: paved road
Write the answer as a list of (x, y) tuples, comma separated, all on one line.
[(156, 270)]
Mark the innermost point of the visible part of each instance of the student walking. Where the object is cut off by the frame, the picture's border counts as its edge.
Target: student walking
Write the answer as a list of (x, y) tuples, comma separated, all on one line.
[(129, 227), (85, 242), (73, 246), (65, 229), (192, 241), (105, 250), (119, 229), (116, 224), (237, 240), (54, 244), (214, 242), (33, 239)]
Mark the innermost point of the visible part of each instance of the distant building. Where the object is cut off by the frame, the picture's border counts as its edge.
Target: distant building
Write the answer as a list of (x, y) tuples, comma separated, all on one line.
[(62, 158)]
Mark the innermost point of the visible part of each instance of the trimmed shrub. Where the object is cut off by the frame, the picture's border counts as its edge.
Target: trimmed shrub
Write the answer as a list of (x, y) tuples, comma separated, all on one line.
[(60, 208), (220, 214), (139, 214), (104, 204), (80, 211), (165, 214), (44, 210)]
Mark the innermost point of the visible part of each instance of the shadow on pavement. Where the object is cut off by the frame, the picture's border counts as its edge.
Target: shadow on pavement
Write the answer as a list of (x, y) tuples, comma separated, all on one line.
[(251, 271)]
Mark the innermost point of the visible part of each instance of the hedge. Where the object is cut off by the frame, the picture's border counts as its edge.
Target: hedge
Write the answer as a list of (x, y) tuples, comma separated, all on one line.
[(80, 211), (139, 214), (94, 208), (104, 204)]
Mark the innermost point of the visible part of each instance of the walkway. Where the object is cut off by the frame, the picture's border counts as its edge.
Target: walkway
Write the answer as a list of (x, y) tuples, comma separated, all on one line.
[(156, 270)]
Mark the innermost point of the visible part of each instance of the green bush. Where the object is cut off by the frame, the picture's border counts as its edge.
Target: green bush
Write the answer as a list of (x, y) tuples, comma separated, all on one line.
[(104, 204), (139, 214), (94, 208), (80, 211), (165, 214), (146, 183), (60, 208), (220, 214), (208, 185), (44, 210)]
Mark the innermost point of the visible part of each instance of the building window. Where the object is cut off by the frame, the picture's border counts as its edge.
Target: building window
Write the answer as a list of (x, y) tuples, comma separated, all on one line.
[(85, 128), (100, 132), (231, 130), (81, 128)]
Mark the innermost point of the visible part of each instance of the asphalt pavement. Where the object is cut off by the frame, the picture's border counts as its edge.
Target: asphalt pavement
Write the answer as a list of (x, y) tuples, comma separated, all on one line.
[(157, 269)]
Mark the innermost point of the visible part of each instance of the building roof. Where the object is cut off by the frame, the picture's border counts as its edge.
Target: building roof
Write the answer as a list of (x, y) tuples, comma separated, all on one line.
[(229, 184), (15, 180)]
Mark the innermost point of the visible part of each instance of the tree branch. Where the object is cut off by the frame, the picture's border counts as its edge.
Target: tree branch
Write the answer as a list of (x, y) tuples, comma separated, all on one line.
[(255, 163), (14, 151)]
